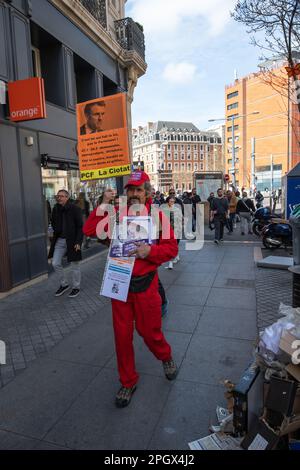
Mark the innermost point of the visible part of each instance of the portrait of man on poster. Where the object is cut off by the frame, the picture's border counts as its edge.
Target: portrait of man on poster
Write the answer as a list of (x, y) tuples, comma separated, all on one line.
[(94, 114)]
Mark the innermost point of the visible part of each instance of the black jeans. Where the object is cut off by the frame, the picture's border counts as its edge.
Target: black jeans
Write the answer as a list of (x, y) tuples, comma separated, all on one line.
[(219, 221)]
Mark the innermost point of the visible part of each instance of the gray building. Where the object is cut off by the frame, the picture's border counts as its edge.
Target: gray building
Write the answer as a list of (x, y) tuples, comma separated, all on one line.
[(172, 152), (83, 49)]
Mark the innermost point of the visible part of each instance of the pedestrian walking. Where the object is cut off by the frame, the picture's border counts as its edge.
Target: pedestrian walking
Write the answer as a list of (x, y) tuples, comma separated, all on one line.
[(174, 215), (67, 239), (245, 208), (143, 306), (177, 199), (259, 199), (84, 206), (232, 200), (195, 200), (210, 200), (218, 215)]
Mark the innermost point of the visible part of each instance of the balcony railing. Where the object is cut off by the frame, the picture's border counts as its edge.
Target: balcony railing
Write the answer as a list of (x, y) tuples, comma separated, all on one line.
[(130, 36), (97, 8)]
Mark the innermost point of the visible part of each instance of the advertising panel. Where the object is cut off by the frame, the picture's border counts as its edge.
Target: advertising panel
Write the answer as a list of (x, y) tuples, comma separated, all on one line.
[(103, 147)]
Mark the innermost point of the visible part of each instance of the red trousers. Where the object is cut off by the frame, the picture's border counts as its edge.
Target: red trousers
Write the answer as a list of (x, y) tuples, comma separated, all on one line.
[(144, 311)]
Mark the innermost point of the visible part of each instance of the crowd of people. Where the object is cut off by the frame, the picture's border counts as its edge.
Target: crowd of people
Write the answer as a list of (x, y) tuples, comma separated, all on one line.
[(226, 209)]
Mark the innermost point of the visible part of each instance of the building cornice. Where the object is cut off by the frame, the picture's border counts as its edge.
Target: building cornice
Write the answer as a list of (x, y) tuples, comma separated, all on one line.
[(81, 17)]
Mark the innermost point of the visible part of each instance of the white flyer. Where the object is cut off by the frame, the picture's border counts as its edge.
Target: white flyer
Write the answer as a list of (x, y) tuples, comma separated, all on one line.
[(258, 443), (116, 278)]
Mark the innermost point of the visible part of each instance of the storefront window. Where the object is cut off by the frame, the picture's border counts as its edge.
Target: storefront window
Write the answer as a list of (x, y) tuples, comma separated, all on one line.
[(54, 180)]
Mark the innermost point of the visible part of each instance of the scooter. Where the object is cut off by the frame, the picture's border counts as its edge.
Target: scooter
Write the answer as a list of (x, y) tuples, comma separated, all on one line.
[(261, 218), (275, 235)]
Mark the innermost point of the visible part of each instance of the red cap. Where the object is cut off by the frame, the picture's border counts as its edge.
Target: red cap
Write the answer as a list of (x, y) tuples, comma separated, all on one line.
[(137, 178)]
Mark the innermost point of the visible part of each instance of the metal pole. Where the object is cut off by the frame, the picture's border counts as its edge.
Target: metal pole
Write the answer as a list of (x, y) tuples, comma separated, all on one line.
[(252, 163), (233, 152), (272, 177)]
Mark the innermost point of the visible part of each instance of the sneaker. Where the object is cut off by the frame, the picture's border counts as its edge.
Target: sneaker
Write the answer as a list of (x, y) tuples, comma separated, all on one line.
[(74, 293), (170, 265), (170, 369), (216, 242), (61, 291), (243, 233), (175, 260), (124, 396), (221, 239), (164, 308)]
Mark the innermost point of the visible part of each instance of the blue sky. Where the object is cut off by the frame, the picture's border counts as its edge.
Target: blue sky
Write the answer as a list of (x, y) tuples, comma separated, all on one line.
[(192, 50)]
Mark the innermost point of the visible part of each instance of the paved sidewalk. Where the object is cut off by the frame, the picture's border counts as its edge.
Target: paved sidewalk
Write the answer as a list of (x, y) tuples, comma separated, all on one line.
[(65, 398)]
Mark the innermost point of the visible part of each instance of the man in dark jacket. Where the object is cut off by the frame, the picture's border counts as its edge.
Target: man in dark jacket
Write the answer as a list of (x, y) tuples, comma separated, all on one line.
[(195, 200), (67, 238), (219, 213)]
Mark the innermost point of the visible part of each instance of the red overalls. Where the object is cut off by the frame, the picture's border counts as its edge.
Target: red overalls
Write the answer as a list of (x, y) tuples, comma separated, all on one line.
[(142, 310)]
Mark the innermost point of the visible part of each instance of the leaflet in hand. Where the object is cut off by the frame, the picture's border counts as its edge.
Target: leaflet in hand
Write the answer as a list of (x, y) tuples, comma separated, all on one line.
[(133, 229)]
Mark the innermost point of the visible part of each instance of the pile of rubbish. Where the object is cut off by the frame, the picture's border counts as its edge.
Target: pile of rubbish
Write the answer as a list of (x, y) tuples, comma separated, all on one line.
[(263, 408)]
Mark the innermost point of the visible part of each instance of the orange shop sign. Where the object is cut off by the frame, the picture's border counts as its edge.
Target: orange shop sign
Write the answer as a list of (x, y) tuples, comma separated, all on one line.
[(27, 99)]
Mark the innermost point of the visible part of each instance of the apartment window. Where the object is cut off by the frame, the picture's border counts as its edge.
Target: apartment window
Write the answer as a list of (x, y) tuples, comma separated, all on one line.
[(233, 106), (189, 147), (182, 147), (182, 156), (189, 166), (236, 138), (182, 166), (176, 166), (236, 128), (162, 166), (201, 156), (232, 95), (232, 116), (195, 147), (169, 166), (195, 156), (201, 147), (195, 166), (169, 156), (175, 156), (175, 147), (201, 166), (169, 147), (190, 186)]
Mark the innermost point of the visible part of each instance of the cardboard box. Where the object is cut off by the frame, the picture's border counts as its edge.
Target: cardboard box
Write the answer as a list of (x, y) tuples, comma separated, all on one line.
[(260, 437)]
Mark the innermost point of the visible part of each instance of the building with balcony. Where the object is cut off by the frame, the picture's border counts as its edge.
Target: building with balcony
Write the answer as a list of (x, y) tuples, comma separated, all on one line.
[(274, 126), (83, 49), (172, 151)]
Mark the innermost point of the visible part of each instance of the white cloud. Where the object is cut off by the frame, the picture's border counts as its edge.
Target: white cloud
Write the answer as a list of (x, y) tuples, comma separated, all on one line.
[(166, 16), (180, 73)]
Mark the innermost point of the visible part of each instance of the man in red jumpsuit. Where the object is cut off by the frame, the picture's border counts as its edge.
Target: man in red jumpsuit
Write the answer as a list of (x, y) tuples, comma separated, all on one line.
[(143, 305)]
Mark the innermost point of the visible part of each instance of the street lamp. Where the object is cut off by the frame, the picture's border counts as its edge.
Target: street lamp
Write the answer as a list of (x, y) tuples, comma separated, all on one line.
[(233, 159)]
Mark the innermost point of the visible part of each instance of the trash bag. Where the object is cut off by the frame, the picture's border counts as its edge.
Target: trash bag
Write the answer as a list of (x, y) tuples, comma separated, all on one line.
[(270, 337)]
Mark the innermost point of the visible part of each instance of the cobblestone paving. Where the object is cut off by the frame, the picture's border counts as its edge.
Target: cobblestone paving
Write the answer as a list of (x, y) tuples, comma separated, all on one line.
[(272, 287), (32, 321)]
